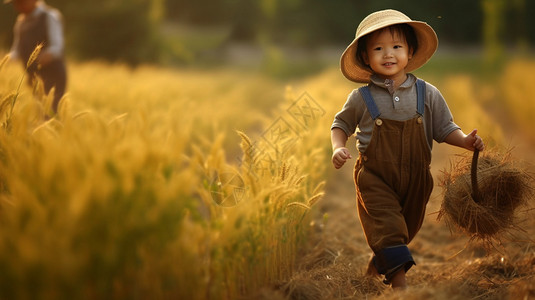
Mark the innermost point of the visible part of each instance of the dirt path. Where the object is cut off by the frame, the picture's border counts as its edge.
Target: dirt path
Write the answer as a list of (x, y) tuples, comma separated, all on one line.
[(448, 265)]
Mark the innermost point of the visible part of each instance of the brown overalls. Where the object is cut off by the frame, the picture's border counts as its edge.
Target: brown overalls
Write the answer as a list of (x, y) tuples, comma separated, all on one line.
[(393, 184)]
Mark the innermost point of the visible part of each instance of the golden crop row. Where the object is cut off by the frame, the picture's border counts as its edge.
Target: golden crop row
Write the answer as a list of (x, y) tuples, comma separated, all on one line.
[(139, 188), (184, 184)]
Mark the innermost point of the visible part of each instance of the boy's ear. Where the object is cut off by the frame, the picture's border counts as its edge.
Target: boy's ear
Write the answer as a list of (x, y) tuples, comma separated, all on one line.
[(411, 51)]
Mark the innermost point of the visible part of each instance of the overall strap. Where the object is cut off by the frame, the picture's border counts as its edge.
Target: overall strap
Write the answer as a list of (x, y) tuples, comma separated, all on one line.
[(420, 96), (370, 103), (374, 110)]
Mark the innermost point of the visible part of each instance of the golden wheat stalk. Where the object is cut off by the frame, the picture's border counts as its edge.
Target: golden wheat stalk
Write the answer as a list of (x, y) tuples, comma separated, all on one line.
[(117, 118), (283, 171), (31, 60), (318, 188), (314, 199), (4, 60), (245, 139), (80, 114), (247, 148), (35, 55), (5, 102), (46, 126), (300, 179), (298, 204)]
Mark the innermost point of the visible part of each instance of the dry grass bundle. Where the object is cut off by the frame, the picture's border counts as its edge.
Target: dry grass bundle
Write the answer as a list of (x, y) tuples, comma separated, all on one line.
[(481, 197)]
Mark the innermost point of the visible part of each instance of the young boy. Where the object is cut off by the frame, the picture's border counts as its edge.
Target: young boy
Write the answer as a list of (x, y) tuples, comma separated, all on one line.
[(38, 23), (398, 117)]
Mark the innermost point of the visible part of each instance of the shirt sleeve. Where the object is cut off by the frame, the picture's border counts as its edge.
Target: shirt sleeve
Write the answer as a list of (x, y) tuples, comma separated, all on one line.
[(442, 118), (55, 33), (347, 119)]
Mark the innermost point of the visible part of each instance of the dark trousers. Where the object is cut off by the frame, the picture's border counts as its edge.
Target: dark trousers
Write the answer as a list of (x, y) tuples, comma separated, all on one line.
[(53, 75)]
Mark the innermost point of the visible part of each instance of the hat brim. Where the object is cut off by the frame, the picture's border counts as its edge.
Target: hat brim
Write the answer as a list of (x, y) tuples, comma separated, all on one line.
[(427, 45), (7, 1)]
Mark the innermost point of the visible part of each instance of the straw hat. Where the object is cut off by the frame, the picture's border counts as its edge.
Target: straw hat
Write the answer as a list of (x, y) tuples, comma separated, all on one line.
[(426, 36)]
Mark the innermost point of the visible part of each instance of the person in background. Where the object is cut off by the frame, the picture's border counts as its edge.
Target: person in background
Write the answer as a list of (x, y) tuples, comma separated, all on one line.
[(38, 23)]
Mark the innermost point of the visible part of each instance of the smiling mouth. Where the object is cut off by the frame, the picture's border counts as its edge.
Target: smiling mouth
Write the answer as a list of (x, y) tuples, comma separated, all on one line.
[(388, 64)]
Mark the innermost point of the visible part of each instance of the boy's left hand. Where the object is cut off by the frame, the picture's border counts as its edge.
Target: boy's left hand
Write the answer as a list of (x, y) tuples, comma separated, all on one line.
[(474, 141)]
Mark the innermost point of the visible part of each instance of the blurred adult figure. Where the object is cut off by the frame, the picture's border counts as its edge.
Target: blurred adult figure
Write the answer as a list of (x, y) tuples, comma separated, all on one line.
[(38, 23)]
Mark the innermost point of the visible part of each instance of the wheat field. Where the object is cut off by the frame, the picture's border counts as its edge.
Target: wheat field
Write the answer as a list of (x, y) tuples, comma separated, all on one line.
[(178, 184)]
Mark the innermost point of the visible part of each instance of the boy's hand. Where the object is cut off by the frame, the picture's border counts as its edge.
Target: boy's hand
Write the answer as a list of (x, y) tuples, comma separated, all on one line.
[(474, 141), (340, 155), (470, 142)]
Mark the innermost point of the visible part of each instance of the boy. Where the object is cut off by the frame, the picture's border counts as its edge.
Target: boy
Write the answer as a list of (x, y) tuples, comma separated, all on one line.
[(398, 117), (38, 23)]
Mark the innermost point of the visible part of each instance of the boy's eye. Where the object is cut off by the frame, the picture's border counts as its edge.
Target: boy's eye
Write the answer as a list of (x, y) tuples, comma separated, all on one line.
[(377, 48), (397, 46)]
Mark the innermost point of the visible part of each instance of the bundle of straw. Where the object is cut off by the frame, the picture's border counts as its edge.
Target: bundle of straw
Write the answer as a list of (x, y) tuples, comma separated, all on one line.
[(481, 198)]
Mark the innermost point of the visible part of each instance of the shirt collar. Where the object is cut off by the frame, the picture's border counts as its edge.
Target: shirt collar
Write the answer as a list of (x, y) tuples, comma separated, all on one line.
[(411, 80)]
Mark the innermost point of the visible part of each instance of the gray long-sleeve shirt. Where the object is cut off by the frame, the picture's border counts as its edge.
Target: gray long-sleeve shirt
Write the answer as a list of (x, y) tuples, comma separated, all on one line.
[(400, 106)]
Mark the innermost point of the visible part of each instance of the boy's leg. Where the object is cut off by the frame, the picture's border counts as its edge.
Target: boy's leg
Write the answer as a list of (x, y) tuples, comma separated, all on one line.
[(383, 224), (399, 280), (415, 203), (380, 212)]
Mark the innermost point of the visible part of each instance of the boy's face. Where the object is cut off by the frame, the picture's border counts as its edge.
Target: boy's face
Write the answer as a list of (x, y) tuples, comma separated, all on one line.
[(387, 54), (24, 6)]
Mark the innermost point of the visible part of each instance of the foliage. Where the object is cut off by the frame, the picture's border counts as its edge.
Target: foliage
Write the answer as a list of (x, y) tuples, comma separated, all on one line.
[(113, 30), (492, 29), (311, 23), (130, 31)]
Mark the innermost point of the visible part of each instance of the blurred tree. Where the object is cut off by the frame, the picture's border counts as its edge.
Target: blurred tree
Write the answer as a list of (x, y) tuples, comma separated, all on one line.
[(530, 21), (198, 12), (493, 24), (519, 29), (157, 12), (117, 30), (315, 22), (293, 22), (128, 30), (244, 17), (457, 22)]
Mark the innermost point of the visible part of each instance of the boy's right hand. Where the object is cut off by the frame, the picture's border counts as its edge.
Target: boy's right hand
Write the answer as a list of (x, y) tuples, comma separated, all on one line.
[(340, 155)]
